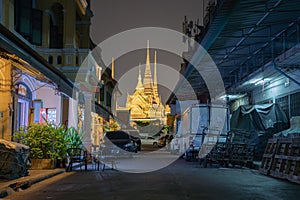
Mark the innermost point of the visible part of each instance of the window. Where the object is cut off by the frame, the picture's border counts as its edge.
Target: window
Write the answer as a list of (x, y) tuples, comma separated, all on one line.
[(23, 17), (37, 105), (56, 26), (59, 60), (102, 94), (28, 21), (77, 60), (37, 26), (295, 104), (283, 102), (108, 99), (50, 59)]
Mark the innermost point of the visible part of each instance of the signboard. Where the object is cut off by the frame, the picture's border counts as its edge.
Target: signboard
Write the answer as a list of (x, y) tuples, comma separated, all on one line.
[(43, 114), (49, 114)]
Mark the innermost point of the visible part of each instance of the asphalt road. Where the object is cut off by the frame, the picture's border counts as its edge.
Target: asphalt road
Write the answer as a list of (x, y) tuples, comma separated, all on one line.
[(179, 181)]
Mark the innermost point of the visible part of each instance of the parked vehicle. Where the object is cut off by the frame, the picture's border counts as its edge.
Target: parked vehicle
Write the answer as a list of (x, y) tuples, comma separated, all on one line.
[(120, 139), (149, 141), (134, 136), (198, 124)]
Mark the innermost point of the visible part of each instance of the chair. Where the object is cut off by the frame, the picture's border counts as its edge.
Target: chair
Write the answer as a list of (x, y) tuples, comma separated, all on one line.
[(77, 155), (108, 156)]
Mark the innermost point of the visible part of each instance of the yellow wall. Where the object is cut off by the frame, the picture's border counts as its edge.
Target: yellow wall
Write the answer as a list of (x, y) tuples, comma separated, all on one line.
[(5, 114)]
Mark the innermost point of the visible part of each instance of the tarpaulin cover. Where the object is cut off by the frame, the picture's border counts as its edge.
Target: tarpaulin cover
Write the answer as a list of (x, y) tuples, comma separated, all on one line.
[(255, 124), (293, 131), (14, 159), (265, 118)]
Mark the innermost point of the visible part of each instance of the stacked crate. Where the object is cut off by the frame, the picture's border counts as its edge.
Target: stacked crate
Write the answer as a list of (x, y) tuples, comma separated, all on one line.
[(282, 159)]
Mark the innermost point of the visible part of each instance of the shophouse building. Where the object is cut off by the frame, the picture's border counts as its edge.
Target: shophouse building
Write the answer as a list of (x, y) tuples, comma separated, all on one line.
[(47, 69)]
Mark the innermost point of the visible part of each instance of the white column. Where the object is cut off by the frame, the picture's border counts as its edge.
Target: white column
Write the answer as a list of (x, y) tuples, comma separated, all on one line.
[(87, 124), (73, 112)]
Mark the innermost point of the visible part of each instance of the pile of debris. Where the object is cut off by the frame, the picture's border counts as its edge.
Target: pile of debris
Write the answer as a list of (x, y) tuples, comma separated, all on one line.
[(14, 159)]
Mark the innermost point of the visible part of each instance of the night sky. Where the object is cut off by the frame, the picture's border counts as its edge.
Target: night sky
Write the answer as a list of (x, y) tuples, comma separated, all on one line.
[(114, 16)]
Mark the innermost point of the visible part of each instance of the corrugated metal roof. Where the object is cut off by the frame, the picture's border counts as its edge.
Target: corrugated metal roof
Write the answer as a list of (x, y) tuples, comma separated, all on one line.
[(239, 38)]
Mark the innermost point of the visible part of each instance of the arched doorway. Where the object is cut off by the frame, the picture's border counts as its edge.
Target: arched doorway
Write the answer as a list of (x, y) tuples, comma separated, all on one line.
[(23, 105)]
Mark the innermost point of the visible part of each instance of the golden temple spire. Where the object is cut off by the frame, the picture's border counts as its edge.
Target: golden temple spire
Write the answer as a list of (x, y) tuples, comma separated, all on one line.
[(155, 90), (148, 87), (139, 84), (148, 55), (155, 77), (112, 68)]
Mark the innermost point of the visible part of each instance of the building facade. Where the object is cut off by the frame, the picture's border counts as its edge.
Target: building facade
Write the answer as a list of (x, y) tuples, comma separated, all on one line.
[(47, 69)]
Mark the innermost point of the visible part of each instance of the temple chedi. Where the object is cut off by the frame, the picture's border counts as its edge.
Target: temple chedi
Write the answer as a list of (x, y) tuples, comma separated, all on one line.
[(145, 104)]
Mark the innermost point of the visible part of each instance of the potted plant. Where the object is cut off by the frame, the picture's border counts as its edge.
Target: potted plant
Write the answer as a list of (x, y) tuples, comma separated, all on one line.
[(39, 138), (73, 142), (65, 138), (47, 144), (59, 145)]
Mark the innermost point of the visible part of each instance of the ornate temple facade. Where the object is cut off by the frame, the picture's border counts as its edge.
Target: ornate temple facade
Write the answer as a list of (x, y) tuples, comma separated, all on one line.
[(145, 104)]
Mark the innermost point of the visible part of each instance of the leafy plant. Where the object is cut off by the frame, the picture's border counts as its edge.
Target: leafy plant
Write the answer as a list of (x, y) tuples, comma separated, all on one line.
[(40, 138), (59, 144), (73, 138), (48, 141)]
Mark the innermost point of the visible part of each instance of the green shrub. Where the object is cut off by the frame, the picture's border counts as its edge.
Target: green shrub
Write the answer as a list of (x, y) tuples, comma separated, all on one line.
[(73, 138), (48, 140), (41, 138)]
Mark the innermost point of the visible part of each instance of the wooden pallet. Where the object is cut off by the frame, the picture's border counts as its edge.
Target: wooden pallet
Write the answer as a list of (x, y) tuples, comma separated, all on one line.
[(282, 159), (268, 157), (230, 153), (294, 164), (279, 165)]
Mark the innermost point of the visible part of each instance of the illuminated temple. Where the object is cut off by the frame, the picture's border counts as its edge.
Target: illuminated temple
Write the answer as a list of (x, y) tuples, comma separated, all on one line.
[(145, 104)]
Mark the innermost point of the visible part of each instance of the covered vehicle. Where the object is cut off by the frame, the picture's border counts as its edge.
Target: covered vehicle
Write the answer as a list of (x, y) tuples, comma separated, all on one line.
[(255, 124), (134, 136), (120, 139), (265, 118), (293, 131)]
